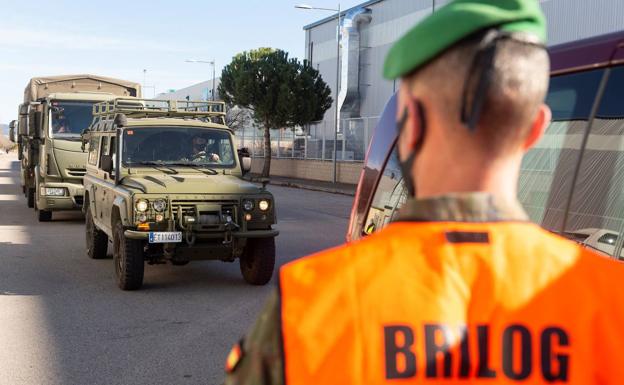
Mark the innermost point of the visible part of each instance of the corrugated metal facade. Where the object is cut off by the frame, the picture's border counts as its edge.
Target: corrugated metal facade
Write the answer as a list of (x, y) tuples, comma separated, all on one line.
[(568, 20)]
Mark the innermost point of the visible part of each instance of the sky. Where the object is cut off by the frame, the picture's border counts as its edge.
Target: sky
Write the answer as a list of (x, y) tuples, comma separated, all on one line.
[(122, 38)]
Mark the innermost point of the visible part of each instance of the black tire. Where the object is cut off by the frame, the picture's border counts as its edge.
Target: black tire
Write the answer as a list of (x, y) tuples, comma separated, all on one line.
[(258, 261), (44, 215), (128, 259), (179, 263), (97, 240), (30, 197)]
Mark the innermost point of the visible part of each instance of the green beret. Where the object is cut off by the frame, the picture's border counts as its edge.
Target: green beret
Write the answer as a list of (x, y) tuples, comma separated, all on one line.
[(456, 21)]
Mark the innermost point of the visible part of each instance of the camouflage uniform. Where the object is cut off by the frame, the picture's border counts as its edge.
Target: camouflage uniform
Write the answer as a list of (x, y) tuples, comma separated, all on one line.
[(261, 356)]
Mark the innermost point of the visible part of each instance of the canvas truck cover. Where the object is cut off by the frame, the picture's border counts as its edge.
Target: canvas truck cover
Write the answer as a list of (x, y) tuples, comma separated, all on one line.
[(41, 87)]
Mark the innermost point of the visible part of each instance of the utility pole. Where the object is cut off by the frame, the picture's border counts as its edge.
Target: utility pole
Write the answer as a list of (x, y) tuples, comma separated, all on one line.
[(337, 115)]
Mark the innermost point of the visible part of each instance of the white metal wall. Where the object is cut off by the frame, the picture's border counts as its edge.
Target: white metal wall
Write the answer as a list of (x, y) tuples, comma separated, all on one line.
[(568, 20)]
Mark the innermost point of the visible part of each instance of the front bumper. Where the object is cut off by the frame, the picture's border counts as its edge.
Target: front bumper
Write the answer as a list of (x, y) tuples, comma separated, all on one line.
[(73, 201), (134, 234)]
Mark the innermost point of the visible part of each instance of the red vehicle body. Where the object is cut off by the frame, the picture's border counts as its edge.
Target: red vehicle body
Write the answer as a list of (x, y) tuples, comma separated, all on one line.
[(572, 183)]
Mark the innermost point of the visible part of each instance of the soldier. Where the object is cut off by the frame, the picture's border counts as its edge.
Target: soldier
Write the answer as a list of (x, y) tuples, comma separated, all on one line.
[(461, 288), (201, 151)]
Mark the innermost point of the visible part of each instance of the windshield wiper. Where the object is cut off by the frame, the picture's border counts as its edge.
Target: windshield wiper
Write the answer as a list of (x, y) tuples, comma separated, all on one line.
[(160, 166), (69, 138), (195, 166)]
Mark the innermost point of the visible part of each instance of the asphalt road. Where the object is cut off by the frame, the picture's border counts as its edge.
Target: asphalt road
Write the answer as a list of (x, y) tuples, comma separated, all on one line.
[(63, 320)]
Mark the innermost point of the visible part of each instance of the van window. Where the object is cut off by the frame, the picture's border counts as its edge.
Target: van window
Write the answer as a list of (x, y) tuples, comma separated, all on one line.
[(547, 170), (598, 199), (389, 196)]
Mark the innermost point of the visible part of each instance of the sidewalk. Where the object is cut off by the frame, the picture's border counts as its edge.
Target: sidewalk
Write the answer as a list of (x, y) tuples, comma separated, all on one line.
[(309, 184)]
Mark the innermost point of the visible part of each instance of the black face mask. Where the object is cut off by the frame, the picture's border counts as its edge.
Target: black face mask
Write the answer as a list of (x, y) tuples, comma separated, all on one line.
[(407, 165)]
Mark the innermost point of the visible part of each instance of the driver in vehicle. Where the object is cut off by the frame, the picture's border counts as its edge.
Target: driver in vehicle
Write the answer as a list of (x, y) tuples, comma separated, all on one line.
[(60, 125), (200, 151)]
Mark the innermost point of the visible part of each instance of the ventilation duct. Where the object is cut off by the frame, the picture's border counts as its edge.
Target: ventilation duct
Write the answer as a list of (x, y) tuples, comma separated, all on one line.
[(349, 95)]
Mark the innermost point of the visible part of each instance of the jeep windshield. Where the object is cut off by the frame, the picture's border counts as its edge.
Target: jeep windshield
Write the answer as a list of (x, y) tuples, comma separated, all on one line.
[(68, 119), (177, 146)]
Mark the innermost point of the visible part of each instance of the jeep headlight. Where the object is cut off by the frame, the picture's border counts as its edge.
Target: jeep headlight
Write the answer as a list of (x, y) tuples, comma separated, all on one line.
[(263, 205), (142, 205), (248, 205), (159, 205)]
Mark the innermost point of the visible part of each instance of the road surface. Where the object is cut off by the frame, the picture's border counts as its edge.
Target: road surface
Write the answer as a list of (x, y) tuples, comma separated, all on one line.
[(63, 320)]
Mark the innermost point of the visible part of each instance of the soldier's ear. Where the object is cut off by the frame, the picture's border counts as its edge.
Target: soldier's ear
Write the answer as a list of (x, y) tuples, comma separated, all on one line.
[(539, 125)]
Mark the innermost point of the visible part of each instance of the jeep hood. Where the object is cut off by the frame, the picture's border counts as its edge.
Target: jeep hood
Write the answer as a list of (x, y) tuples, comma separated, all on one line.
[(189, 184)]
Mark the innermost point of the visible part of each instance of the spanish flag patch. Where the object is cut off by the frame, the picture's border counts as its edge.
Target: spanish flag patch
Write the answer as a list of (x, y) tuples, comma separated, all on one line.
[(234, 357)]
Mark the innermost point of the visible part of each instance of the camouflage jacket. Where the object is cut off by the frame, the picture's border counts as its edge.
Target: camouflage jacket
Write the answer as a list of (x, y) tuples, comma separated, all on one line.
[(258, 359)]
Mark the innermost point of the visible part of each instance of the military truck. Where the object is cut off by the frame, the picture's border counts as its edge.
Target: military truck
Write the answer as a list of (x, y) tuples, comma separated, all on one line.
[(165, 183), (55, 111)]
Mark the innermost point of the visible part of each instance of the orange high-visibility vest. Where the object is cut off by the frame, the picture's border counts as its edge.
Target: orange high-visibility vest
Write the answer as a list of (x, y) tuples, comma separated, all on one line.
[(454, 303)]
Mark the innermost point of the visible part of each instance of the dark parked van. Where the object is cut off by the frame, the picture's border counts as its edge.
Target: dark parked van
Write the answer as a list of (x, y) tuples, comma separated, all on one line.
[(571, 183)]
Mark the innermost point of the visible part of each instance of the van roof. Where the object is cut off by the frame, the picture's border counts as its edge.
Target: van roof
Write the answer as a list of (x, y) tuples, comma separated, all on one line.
[(594, 52)]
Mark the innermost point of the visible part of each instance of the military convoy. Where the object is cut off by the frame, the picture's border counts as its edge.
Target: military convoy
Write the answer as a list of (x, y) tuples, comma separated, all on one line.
[(164, 183), (55, 111), (162, 180)]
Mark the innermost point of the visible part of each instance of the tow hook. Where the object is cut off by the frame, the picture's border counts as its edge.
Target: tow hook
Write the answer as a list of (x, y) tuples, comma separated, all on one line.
[(190, 238), (229, 226)]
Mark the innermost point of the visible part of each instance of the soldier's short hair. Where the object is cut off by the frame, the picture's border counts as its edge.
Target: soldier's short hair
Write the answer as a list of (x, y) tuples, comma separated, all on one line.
[(519, 84)]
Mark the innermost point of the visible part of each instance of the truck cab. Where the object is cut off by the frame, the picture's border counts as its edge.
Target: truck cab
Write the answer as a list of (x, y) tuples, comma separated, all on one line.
[(55, 111), (164, 183), (60, 168)]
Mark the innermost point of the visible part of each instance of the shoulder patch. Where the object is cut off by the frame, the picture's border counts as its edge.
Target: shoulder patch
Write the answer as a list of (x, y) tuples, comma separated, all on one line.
[(234, 357)]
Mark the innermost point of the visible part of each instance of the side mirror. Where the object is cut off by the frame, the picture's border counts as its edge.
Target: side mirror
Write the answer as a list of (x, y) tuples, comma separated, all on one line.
[(106, 163), (12, 124), (245, 159), (34, 124), (246, 164), (12, 134), (85, 137)]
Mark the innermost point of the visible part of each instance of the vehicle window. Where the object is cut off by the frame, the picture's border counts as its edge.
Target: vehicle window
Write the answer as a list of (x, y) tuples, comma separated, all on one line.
[(104, 150), (177, 145), (547, 170), (598, 198), (94, 146), (112, 149), (389, 196), (68, 119), (608, 239)]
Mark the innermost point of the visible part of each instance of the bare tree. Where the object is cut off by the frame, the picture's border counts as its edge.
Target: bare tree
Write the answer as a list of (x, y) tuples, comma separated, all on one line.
[(237, 117)]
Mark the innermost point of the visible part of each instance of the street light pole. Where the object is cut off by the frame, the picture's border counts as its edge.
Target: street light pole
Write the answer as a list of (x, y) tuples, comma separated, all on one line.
[(337, 118), (213, 79), (337, 115), (213, 63)]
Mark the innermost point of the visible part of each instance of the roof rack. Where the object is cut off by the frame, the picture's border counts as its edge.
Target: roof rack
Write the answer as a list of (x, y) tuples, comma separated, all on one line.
[(143, 108)]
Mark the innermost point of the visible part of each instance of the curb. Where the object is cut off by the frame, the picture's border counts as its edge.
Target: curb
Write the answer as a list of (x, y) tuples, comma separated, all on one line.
[(307, 187)]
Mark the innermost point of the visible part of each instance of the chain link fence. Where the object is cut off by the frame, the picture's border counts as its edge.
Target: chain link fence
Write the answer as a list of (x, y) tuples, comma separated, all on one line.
[(316, 142)]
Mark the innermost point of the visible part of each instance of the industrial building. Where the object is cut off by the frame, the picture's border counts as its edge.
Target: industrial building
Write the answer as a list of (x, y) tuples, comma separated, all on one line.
[(199, 91), (367, 32)]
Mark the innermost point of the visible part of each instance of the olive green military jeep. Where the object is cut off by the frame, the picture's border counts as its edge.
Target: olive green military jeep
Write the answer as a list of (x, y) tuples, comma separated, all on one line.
[(164, 183)]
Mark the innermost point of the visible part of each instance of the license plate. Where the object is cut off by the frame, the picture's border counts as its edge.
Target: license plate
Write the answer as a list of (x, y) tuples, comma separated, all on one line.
[(165, 237)]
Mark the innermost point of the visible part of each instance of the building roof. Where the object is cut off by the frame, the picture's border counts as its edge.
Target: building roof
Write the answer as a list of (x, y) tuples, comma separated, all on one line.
[(342, 12)]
